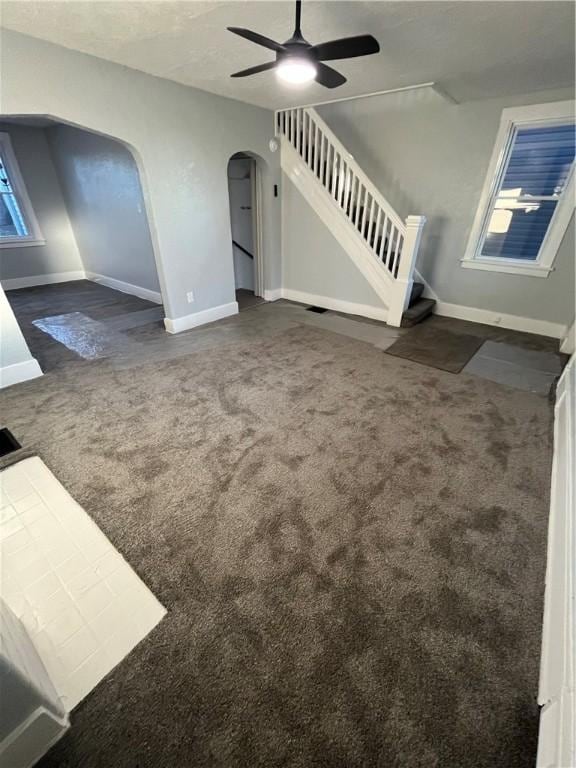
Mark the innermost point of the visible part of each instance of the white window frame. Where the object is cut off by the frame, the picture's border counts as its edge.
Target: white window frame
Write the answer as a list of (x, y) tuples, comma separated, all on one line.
[(536, 115), (34, 236)]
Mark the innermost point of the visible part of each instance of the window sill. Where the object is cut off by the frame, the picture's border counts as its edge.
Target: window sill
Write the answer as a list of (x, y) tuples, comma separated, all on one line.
[(21, 243), (511, 268)]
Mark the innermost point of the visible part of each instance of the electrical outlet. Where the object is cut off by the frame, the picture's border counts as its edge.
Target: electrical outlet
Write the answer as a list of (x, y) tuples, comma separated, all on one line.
[(190, 297)]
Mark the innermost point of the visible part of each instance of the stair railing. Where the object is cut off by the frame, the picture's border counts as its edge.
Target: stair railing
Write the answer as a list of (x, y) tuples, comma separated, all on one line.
[(392, 241)]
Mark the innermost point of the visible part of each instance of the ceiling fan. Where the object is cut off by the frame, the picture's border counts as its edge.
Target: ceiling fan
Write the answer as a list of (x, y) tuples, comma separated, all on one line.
[(297, 61)]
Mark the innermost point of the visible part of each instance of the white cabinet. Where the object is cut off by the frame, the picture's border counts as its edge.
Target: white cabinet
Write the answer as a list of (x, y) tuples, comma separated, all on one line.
[(557, 742)]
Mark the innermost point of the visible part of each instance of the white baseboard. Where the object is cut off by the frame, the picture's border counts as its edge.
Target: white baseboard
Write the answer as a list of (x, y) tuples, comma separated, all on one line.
[(13, 283), (14, 374), (488, 317), (120, 285), (272, 295), (338, 305), (178, 324), (568, 343), (33, 738)]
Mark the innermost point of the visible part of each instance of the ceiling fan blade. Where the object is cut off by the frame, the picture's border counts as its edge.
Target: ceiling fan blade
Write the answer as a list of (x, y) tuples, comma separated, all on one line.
[(328, 77), (346, 48), (255, 70), (254, 37)]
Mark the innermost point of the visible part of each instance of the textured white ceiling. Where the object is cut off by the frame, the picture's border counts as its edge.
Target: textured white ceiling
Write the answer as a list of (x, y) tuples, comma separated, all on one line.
[(473, 49)]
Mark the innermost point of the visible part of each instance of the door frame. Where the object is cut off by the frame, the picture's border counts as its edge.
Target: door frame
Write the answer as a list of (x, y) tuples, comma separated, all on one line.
[(257, 233)]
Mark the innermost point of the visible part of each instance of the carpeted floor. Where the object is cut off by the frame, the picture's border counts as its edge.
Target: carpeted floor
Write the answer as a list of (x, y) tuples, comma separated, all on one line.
[(350, 546)]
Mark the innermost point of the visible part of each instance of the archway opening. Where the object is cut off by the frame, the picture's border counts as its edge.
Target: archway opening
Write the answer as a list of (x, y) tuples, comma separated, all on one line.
[(89, 274), (244, 190)]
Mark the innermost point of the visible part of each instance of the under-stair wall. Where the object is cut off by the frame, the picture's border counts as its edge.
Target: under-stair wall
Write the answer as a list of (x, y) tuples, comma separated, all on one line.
[(382, 247), (316, 269)]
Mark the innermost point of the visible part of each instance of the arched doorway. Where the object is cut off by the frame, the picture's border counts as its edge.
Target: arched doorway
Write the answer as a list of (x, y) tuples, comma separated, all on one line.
[(92, 265), (244, 190)]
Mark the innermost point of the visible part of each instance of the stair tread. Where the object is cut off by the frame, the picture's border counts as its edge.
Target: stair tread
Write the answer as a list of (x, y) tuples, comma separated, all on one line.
[(418, 312)]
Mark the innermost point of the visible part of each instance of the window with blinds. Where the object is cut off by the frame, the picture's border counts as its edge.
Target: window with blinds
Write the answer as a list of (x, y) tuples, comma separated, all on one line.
[(18, 224), (532, 178), (12, 224)]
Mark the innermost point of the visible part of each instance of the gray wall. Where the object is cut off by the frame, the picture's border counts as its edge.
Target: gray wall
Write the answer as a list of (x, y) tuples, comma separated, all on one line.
[(431, 158), (101, 186), (312, 259), (60, 253), (182, 138)]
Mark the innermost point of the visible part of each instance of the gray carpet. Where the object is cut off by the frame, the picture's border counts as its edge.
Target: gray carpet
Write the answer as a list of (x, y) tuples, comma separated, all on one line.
[(351, 549)]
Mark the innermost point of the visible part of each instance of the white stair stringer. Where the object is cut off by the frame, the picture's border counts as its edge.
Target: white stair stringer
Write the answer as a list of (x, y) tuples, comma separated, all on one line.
[(331, 215)]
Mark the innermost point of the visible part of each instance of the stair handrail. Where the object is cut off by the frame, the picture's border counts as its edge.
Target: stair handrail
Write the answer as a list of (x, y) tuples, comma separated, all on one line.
[(241, 248)]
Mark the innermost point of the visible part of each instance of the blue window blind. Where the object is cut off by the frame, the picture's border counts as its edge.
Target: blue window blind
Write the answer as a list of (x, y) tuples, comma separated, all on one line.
[(536, 172), (12, 223)]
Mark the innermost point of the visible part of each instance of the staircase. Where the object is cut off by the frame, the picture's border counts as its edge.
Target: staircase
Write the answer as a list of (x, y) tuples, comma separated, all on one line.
[(380, 243)]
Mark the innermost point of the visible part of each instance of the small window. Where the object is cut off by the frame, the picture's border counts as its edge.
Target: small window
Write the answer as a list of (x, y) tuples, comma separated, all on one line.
[(18, 224), (528, 197)]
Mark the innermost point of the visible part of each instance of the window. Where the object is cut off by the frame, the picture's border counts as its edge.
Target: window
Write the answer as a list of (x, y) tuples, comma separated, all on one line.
[(528, 196), (18, 224)]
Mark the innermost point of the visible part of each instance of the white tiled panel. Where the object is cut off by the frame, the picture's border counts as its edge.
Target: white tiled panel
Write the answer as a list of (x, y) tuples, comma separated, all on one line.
[(82, 604)]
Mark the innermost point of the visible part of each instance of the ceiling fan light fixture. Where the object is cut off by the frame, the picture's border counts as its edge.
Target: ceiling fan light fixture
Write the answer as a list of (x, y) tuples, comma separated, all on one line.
[(296, 70), (298, 62)]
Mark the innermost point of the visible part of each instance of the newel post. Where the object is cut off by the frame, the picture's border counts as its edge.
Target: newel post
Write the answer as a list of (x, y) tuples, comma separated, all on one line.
[(405, 275)]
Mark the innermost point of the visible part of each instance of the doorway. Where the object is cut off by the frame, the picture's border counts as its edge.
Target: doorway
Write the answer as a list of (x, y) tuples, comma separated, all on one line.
[(244, 196), (90, 284)]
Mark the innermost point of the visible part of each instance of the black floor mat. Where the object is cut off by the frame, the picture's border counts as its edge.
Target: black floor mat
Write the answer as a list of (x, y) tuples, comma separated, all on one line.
[(437, 349)]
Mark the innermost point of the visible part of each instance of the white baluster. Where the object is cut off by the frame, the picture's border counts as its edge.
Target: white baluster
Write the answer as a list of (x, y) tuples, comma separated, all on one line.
[(383, 240), (395, 254), (361, 194), (342, 177), (391, 235), (338, 189), (370, 221), (364, 213), (352, 196), (357, 193), (399, 248), (347, 189), (299, 130), (334, 167), (377, 230)]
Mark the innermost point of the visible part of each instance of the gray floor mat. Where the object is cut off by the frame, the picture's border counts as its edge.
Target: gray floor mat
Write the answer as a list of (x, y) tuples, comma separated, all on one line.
[(528, 370), (436, 348)]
